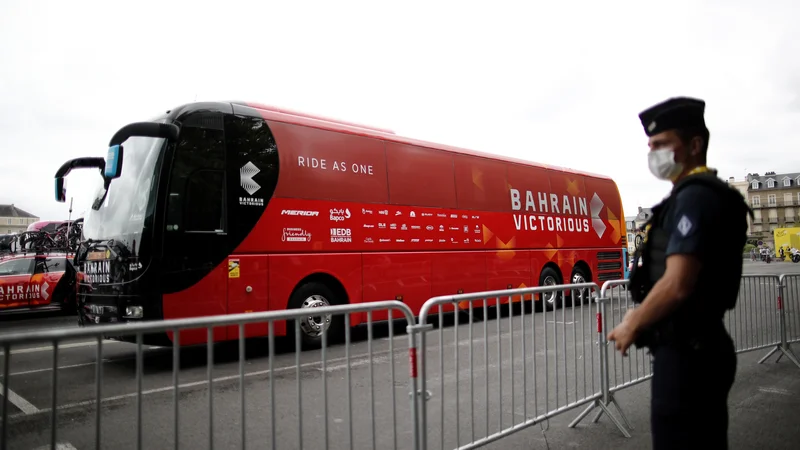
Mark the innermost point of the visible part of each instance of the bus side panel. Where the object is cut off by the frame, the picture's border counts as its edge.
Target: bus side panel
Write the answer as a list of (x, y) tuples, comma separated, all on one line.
[(507, 269), (287, 272), (457, 273), (397, 276), (208, 297)]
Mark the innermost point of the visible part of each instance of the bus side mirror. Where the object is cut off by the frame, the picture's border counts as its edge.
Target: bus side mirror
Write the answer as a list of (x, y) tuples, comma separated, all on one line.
[(113, 168), (61, 191)]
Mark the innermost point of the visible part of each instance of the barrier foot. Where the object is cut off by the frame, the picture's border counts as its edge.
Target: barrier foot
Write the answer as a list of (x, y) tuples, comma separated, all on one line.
[(604, 409), (598, 416), (771, 352), (621, 414), (584, 413), (616, 421), (784, 351), (790, 355)]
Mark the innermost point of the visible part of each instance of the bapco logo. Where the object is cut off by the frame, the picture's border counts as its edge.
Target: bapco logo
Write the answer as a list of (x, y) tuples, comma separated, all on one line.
[(246, 174), (340, 215)]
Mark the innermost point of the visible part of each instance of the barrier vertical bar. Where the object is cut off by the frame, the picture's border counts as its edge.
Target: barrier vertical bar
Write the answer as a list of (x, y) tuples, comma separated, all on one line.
[(176, 363), (6, 374), (210, 375), (53, 398)]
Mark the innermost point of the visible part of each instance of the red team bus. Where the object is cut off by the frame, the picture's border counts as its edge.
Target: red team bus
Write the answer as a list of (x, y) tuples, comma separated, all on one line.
[(223, 208)]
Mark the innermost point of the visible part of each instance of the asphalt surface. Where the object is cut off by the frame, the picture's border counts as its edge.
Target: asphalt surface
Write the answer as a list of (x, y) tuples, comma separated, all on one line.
[(558, 366)]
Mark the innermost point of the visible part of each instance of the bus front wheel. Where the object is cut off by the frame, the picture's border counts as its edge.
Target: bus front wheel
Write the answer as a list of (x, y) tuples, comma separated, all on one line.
[(307, 297)]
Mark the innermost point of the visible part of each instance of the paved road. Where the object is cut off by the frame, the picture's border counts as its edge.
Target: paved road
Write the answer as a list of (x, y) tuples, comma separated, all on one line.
[(564, 365)]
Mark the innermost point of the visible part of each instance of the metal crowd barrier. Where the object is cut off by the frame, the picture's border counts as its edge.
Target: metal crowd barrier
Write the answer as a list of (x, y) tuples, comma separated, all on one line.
[(467, 387), (758, 321), (519, 371), (273, 414)]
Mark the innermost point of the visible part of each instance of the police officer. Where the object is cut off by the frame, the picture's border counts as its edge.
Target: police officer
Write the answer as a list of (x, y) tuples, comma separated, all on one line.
[(690, 274)]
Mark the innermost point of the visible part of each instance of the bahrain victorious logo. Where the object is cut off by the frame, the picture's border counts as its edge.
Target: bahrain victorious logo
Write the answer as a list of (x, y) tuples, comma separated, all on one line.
[(597, 223), (246, 174)]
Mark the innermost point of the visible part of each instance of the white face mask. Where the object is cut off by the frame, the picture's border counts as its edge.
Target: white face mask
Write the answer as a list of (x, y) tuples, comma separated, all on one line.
[(662, 164)]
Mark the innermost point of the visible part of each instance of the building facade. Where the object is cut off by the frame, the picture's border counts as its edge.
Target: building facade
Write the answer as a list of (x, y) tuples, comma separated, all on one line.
[(15, 220), (775, 199), (742, 186), (633, 223)]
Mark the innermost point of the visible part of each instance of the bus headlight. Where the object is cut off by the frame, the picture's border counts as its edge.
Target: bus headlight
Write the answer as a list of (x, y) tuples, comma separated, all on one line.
[(134, 312)]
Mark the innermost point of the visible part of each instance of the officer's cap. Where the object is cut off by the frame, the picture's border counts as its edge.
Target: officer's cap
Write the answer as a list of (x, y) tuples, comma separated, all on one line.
[(676, 112)]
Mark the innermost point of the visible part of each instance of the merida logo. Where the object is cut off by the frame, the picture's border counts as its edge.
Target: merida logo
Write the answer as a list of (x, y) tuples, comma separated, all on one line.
[(246, 174)]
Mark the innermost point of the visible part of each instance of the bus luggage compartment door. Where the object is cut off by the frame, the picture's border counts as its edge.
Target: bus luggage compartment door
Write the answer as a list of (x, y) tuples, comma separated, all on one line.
[(248, 291)]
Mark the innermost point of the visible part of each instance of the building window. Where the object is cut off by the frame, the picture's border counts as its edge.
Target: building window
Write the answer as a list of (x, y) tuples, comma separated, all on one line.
[(787, 199), (754, 185), (771, 199), (787, 182), (770, 183), (756, 200)]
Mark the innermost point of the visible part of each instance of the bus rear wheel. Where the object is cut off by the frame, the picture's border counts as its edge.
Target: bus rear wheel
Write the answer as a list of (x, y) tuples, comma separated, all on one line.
[(307, 297), (582, 296), (553, 299)]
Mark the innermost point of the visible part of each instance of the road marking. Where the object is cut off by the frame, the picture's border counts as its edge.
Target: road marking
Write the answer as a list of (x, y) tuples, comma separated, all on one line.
[(73, 366), (59, 446), (61, 346), (25, 406), (777, 391), (357, 363)]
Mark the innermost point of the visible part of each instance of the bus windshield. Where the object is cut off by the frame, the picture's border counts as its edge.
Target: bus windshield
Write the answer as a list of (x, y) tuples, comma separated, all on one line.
[(129, 201)]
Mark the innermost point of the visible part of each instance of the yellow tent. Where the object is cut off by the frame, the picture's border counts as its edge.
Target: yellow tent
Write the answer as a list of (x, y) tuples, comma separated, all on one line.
[(787, 238)]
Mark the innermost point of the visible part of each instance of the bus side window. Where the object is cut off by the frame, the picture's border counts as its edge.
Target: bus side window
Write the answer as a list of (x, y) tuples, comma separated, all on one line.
[(197, 186)]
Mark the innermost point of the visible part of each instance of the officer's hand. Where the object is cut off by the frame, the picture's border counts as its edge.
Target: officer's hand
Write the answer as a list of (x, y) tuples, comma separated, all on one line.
[(624, 334)]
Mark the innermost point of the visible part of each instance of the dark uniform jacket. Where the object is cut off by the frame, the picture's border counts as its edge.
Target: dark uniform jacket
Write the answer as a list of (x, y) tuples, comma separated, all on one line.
[(704, 217)]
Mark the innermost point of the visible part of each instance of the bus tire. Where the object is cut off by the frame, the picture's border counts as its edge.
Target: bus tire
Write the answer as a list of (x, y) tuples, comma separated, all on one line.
[(580, 276), (313, 295), (550, 300)]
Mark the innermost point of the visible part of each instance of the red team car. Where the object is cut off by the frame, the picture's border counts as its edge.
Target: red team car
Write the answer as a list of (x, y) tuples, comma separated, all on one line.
[(30, 282)]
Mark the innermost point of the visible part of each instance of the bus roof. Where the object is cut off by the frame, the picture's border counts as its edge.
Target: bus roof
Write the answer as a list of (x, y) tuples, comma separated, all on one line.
[(300, 118)]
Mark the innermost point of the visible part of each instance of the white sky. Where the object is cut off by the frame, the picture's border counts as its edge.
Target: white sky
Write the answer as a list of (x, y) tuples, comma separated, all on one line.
[(559, 83)]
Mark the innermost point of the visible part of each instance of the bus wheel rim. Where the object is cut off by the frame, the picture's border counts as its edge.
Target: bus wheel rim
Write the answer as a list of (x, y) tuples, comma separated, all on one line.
[(578, 279), (311, 325), (550, 297)]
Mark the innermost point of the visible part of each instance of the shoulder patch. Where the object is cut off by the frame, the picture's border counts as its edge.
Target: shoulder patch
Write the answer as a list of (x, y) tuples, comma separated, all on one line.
[(685, 225)]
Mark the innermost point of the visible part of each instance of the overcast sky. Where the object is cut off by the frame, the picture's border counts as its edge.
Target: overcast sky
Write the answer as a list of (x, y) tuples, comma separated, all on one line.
[(561, 83)]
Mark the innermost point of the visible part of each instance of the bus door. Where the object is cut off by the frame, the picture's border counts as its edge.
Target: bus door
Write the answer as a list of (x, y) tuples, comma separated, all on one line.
[(15, 286), (252, 173), (195, 245)]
